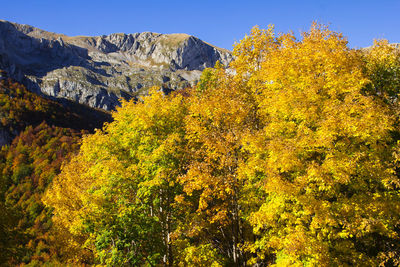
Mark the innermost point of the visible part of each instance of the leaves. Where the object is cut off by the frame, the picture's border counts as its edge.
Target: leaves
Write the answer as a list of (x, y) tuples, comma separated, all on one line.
[(29, 164), (121, 197), (290, 157), (321, 153)]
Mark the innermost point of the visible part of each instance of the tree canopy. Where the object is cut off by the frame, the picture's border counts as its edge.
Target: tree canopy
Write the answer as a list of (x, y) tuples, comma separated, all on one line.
[(288, 158)]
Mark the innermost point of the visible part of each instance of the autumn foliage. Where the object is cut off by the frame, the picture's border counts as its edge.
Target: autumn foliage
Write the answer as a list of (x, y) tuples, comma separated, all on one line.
[(43, 133), (288, 158), (20, 108), (30, 163)]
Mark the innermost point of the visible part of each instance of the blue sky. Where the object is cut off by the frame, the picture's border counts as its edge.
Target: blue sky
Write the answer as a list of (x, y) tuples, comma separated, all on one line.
[(218, 22)]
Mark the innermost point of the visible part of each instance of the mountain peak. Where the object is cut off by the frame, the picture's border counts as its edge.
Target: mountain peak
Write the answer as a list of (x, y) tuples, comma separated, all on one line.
[(98, 70)]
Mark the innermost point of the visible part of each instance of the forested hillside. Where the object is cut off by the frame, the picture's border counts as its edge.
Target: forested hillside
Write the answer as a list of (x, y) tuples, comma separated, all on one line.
[(38, 135), (288, 158), (20, 108)]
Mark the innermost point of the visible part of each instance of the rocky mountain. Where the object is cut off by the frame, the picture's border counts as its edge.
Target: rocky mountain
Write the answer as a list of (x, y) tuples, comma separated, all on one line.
[(97, 71), (20, 108)]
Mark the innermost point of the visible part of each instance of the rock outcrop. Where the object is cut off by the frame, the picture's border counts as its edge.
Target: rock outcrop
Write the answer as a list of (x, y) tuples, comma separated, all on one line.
[(97, 71)]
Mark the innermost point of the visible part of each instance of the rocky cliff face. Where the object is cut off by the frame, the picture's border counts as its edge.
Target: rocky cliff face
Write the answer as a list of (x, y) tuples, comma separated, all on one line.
[(97, 71)]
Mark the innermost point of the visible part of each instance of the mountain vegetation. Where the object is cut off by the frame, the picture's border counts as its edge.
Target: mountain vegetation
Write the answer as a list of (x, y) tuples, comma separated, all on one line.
[(38, 135), (288, 158)]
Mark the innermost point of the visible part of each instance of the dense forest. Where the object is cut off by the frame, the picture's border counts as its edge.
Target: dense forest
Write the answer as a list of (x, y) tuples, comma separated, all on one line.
[(288, 158), (43, 134)]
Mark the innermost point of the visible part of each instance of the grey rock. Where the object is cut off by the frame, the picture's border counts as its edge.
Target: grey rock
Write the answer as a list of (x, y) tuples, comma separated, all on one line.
[(97, 71)]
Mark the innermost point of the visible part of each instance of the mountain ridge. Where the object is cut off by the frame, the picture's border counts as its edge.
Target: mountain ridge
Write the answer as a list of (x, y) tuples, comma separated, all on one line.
[(97, 71)]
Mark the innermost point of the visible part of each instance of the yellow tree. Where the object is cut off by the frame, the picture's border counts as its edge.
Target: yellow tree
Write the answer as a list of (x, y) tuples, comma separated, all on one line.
[(220, 114), (116, 196), (324, 152)]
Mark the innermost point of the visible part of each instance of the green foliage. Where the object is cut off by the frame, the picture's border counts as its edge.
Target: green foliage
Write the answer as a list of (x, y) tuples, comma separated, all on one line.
[(208, 78)]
